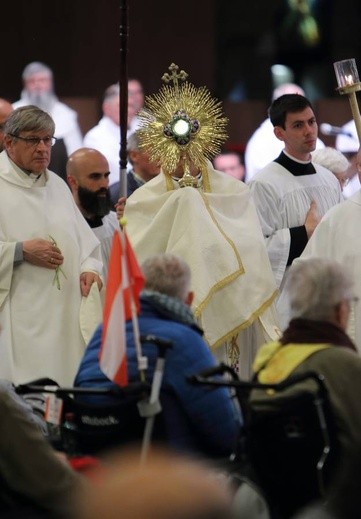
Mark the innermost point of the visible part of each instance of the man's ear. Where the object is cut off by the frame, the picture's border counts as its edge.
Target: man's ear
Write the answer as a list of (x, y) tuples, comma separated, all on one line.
[(342, 313), (71, 182), (133, 156), (279, 132), (7, 141)]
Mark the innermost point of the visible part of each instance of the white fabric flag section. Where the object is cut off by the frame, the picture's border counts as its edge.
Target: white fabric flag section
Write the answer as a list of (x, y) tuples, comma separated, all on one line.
[(113, 351)]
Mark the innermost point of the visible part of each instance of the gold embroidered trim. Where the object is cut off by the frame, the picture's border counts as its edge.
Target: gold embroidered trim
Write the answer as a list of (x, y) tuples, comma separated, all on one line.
[(245, 324), (228, 279)]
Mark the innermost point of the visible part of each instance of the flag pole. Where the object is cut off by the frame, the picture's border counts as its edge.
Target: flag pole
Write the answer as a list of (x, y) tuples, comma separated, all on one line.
[(123, 98)]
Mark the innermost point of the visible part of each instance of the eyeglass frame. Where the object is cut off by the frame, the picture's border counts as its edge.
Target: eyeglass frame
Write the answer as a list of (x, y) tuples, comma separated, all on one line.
[(33, 142)]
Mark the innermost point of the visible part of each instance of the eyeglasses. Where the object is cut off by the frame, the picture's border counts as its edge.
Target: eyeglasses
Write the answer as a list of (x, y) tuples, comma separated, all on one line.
[(33, 142)]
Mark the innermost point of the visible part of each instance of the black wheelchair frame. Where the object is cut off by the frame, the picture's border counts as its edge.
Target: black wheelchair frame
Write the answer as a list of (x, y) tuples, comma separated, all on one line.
[(288, 445), (91, 429)]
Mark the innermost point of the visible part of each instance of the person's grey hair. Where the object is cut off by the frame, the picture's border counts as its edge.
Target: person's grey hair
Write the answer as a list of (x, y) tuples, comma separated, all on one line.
[(111, 91), (133, 142), (36, 67), (331, 159), (168, 274), (29, 118), (315, 287)]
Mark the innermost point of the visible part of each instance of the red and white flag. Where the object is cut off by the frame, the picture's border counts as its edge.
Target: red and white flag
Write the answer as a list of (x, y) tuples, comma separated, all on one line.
[(125, 281)]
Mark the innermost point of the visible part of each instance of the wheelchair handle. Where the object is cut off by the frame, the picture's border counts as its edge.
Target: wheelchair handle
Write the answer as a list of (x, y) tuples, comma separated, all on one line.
[(203, 376), (162, 344)]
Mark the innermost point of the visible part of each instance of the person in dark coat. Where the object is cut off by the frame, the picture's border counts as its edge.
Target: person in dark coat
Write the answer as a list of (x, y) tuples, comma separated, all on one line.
[(195, 419)]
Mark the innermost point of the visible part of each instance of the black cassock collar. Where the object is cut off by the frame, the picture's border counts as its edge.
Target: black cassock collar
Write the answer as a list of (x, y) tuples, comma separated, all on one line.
[(296, 168)]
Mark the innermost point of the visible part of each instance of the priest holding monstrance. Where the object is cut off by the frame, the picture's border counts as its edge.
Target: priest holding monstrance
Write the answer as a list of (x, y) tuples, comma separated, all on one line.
[(206, 218)]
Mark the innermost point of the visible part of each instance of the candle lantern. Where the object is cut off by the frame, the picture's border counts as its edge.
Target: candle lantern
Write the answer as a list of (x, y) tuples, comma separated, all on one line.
[(349, 83)]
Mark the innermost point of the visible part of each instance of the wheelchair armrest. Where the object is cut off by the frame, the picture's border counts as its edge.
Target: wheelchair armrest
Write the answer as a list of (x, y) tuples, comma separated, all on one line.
[(205, 377), (131, 389)]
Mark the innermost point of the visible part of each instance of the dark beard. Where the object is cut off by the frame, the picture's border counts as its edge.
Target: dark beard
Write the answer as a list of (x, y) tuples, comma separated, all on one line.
[(96, 203)]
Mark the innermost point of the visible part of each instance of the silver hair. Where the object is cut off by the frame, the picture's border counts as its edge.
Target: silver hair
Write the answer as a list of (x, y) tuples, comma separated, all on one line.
[(168, 274), (29, 118), (36, 67), (133, 142), (315, 287), (331, 159), (111, 91)]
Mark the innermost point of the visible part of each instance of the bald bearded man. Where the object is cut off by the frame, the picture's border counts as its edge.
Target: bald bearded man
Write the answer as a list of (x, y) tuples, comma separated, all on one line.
[(88, 177)]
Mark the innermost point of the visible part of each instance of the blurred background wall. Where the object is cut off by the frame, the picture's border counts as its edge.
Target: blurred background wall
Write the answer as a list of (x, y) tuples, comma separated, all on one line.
[(230, 46)]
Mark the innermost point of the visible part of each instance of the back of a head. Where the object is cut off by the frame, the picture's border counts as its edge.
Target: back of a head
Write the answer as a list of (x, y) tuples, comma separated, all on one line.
[(287, 88), (36, 67), (5, 109), (331, 159), (29, 118), (133, 142), (166, 486), (287, 103), (110, 92), (315, 287), (168, 274)]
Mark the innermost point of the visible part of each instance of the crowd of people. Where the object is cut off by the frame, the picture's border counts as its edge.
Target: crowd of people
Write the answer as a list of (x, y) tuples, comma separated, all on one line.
[(250, 262)]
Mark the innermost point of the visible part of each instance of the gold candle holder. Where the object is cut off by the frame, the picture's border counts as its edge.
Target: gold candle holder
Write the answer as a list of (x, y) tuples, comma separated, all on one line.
[(348, 83)]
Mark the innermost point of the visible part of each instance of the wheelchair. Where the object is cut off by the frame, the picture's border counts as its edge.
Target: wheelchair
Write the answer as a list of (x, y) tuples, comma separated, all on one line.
[(287, 449), (85, 429)]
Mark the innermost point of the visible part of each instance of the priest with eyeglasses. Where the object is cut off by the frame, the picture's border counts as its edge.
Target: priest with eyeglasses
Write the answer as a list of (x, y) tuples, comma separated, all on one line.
[(49, 257)]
